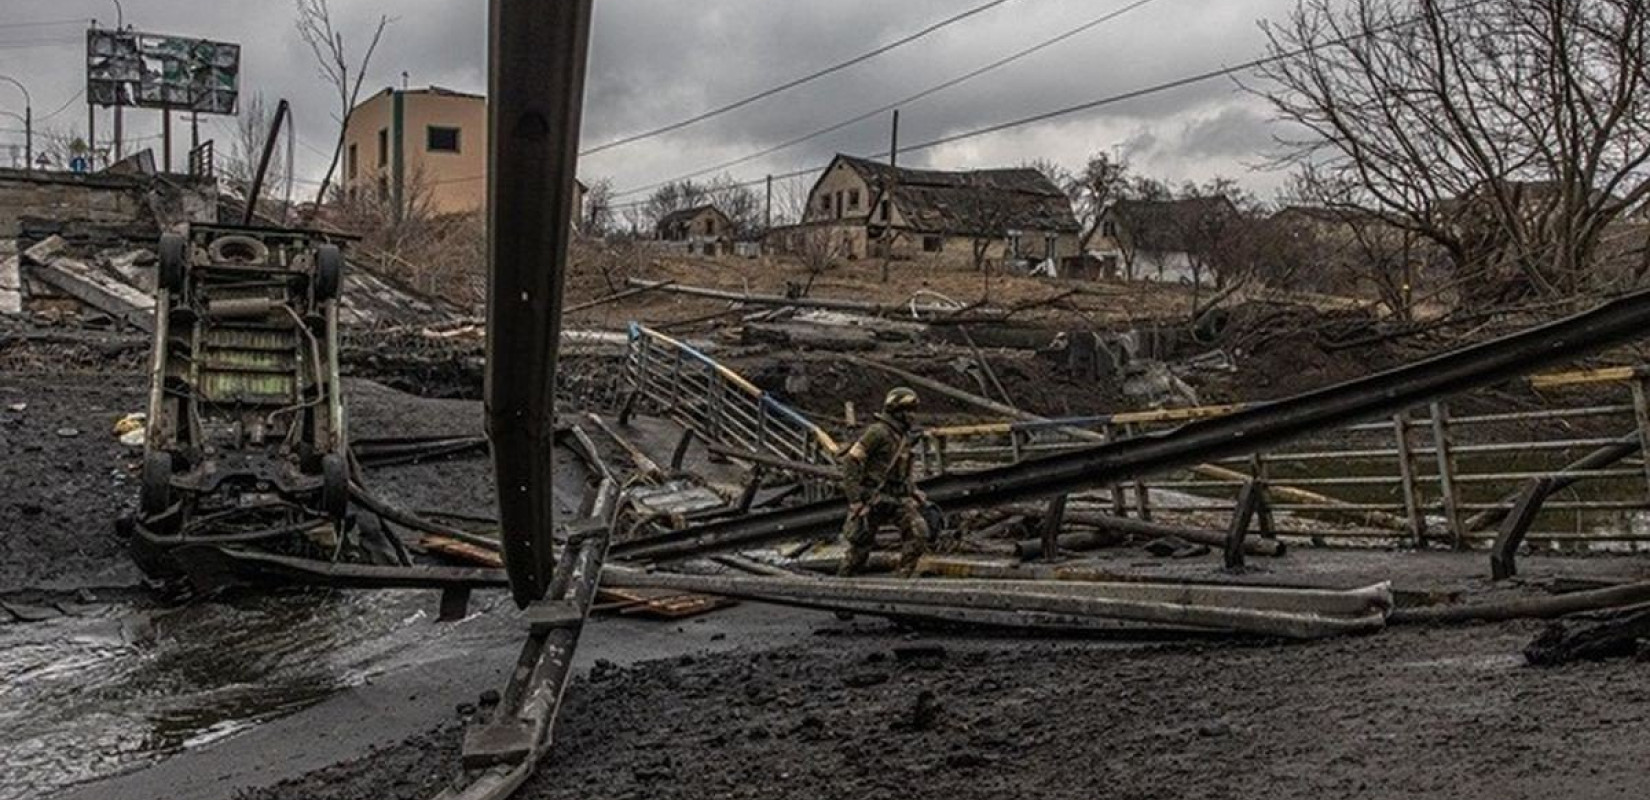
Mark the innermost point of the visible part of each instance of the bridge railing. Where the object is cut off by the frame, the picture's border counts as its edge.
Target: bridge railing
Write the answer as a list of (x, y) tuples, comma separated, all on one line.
[(721, 406), (1430, 475)]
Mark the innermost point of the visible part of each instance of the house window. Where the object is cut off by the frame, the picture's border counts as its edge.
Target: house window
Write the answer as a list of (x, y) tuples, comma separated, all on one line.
[(354, 161), (825, 203), (882, 210), (710, 227), (1108, 229), (441, 139), (383, 147), (839, 205), (932, 244), (853, 199)]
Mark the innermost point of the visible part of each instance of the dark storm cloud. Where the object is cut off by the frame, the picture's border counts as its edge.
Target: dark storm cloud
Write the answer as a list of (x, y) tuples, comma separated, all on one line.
[(656, 61)]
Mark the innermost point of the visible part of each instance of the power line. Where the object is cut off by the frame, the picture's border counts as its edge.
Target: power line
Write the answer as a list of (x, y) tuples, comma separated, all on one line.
[(792, 84), (928, 92), (65, 106), (22, 44), (1129, 95), (50, 23), (1173, 84)]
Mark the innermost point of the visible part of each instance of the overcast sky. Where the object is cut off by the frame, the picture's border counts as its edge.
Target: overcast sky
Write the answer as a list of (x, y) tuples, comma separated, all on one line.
[(657, 61)]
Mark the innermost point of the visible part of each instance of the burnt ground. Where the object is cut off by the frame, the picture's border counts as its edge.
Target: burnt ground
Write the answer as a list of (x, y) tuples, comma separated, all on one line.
[(1409, 713), (67, 479)]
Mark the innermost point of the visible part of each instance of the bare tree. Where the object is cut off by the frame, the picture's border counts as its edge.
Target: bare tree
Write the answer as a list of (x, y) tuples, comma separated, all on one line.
[(1508, 135), (599, 219), (314, 23), (252, 128), (819, 250), (739, 202), (672, 197)]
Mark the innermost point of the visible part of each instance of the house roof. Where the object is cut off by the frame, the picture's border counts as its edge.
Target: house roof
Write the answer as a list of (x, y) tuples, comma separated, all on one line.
[(685, 214), (1160, 225), (976, 201)]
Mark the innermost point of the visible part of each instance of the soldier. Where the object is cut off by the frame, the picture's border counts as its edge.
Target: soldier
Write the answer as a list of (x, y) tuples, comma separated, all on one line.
[(876, 478)]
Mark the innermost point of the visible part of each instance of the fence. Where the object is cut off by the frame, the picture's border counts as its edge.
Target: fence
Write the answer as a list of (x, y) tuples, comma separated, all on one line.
[(721, 406), (1426, 476)]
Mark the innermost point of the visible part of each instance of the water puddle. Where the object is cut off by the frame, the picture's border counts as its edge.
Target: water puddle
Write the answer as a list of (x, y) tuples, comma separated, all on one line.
[(91, 696)]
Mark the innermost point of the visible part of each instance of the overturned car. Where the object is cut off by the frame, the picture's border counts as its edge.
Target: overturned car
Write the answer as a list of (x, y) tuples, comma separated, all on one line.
[(247, 441)]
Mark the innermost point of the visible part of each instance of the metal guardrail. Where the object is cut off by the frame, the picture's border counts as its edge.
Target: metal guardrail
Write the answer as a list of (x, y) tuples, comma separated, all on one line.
[(721, 406), (1447, 477)]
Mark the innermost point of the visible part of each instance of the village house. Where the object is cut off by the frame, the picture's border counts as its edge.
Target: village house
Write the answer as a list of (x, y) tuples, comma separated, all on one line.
[(431, 142), (872, 210), (700, 230), (1153, 239)]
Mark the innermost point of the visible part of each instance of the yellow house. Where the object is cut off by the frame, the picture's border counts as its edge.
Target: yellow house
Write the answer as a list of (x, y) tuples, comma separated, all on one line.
[(428, 144)]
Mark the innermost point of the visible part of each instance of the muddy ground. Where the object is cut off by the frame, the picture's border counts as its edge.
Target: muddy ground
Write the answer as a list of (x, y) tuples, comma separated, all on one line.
[(1441, 713)]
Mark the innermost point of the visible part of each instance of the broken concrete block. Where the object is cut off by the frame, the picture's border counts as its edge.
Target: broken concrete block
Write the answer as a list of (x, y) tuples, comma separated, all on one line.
[(11, 286), (46, 250)]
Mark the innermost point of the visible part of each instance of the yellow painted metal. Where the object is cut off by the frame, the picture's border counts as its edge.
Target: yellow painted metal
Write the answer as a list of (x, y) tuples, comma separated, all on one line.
[(1585, 376)]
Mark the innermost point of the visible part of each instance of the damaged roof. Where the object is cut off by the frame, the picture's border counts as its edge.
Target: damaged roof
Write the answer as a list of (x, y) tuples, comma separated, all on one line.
[(682, 215), (991, 201)]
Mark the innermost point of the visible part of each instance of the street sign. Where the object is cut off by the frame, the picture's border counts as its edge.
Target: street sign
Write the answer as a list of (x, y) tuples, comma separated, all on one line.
[(145, 70)]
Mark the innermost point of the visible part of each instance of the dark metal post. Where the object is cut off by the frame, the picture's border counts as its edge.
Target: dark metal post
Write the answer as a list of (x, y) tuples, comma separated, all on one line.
[(767, 217), (166, 141), (537, 52), (1053, 519), (1446, 474), (263, 162), (1406, 473), (91, 136)]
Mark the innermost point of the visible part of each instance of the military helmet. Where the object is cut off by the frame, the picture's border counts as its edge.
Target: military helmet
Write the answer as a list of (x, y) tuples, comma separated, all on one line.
[(899, 398)]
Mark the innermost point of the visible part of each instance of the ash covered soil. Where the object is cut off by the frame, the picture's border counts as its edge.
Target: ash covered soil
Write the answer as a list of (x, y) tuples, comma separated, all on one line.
[(1408, 713), (67, 479)]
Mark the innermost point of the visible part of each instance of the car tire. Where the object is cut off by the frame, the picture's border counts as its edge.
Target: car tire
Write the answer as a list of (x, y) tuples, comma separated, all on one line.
[(334, 485), (329, 272), (156, 494), (174, 262)]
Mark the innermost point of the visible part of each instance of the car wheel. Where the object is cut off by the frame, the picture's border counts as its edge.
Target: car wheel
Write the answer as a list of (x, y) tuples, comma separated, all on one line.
[(329, 272), (174, 262), (334, 485), (156, 494)]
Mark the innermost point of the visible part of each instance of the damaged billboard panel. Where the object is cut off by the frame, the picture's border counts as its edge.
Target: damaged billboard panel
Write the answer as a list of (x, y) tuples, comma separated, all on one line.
[(145, 70)]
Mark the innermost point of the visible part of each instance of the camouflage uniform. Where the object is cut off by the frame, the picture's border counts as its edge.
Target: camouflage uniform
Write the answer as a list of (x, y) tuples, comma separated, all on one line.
[(876, 472)]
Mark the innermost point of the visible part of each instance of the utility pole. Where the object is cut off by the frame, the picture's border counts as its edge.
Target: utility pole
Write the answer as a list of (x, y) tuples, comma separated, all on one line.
[(767, 220), (893, 148), (166, 141), (887, 203)]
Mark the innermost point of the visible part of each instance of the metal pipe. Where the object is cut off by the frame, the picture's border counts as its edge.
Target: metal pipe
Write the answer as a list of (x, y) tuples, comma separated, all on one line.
[(1270, 622)]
